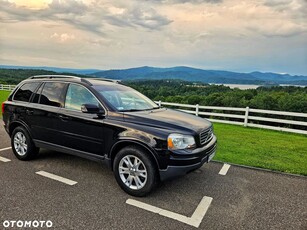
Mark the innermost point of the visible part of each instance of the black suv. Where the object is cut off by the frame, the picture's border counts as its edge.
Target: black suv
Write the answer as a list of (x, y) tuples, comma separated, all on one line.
[(101, 119)]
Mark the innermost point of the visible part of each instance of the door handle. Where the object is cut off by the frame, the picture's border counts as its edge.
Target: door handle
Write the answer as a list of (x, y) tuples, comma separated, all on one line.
[(29, 111), (63, 117)]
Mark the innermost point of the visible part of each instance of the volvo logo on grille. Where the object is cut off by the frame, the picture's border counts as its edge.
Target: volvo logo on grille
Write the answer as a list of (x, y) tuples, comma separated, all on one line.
[(205, 136)]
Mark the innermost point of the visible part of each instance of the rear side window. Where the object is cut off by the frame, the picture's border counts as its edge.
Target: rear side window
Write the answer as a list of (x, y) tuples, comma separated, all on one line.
[(24, 92), (53, 94)]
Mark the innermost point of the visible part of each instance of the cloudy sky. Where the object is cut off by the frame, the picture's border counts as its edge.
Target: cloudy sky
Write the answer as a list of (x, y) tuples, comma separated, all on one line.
[(245, 36)]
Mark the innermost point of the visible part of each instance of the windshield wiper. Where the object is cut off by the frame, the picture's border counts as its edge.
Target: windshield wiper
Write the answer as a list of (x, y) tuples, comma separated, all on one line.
[(137, 110), (151, 108), (131, 110)]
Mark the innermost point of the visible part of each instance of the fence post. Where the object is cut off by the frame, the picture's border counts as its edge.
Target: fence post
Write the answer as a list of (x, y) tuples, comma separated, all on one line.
[(159, 103), (246, 116), (197, 109)]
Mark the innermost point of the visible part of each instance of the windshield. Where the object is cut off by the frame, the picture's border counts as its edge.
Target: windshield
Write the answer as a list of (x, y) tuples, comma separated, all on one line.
[(124, 98)]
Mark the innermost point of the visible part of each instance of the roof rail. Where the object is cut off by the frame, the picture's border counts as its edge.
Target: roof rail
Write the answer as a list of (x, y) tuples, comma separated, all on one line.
[(86, 80), (52, 76), (105, 79)]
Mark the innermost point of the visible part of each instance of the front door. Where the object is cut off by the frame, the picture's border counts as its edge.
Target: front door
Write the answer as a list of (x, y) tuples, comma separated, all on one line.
[(77, 130)]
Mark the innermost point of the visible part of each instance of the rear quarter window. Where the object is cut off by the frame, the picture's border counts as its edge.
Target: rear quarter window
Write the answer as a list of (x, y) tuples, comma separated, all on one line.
[(25, 92)]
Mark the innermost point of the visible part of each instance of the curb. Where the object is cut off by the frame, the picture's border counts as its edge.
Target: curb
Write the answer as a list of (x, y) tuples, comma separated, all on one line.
[(262, 169)]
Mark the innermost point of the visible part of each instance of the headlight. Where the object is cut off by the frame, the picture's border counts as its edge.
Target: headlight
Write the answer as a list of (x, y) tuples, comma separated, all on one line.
[(179, 141)]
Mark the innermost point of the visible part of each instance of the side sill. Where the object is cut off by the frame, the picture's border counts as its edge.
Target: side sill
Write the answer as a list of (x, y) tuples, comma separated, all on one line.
[(59, 148)]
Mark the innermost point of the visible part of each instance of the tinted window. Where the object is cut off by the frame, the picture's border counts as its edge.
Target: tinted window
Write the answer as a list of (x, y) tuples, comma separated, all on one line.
[(24, 92), (78, 95), (52, 94)]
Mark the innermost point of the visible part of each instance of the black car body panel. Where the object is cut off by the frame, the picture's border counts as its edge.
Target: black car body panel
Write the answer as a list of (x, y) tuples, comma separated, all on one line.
[(101, 137), (169, 119)]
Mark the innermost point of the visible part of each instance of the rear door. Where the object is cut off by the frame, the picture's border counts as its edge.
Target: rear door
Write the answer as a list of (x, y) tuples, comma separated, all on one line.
[(43, 111), (77, 130)]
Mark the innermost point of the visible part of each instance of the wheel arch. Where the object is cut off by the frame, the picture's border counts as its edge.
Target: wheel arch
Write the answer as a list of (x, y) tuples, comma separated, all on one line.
[(16, 124), (124, 143)]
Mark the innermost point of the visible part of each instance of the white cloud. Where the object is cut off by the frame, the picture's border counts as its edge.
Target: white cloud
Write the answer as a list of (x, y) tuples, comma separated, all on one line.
[(185, 1), (225, 34), (91, 17), (62, 37)]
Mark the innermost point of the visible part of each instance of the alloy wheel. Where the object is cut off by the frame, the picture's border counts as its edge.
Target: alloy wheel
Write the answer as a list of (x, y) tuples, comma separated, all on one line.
[(132, 172), (20, 143)]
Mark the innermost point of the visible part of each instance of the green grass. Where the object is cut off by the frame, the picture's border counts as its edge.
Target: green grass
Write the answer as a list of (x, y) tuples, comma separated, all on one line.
[(261, 148), (3, 96)]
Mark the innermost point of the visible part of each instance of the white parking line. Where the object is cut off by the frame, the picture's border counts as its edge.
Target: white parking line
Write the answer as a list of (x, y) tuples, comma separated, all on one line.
[(3, 159), (194, 220), (5, 149), (58, 178), (224, 169)]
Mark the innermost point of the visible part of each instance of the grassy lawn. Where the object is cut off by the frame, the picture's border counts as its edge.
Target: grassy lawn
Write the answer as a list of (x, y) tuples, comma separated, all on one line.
[(3, 96), (261, 148)]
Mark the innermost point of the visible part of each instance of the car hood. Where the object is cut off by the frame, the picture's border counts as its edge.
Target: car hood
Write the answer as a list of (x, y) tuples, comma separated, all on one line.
[(168, 119)]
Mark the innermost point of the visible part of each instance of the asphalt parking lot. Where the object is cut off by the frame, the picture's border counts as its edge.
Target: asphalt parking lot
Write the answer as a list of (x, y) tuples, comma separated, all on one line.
[(242, 199)]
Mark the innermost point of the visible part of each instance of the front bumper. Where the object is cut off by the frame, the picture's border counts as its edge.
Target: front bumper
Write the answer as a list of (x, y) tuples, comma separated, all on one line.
[(183, 164)]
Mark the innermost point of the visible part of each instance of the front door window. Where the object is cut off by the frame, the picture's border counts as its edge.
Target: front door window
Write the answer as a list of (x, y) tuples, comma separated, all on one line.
[(78, 95)]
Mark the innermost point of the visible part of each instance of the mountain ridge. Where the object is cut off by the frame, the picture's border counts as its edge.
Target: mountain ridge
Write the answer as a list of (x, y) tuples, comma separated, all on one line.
[(182, 73), (206, 76)]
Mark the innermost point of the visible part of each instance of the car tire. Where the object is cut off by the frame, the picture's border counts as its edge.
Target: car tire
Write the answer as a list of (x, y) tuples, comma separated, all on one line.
[(135, 171), (22, 144)]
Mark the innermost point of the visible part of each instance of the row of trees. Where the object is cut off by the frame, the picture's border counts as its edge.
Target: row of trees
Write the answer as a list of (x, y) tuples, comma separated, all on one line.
[(288, 98)]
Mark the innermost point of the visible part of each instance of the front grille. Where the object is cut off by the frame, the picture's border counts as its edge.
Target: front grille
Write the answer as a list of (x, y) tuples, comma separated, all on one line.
[(206, 136)]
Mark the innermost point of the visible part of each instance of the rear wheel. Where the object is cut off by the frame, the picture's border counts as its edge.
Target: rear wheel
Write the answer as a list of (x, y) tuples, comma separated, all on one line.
[(22, 144), (135, 171)]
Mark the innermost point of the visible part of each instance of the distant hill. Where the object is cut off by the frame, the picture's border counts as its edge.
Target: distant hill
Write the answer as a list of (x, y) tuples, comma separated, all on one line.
[(206, 76), (179, 72), (14, 76), (54, 69)]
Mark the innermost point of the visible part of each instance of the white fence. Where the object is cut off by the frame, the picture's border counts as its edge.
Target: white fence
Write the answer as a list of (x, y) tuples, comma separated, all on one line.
[(239, 116), (7, 87), (247, 117)]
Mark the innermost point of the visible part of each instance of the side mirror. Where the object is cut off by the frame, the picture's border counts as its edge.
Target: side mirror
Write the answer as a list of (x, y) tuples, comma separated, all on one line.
[(91, 108)]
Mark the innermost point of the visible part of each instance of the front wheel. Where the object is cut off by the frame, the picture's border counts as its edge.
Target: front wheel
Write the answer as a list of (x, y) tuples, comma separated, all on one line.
[(134, 171), (22, 144)]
